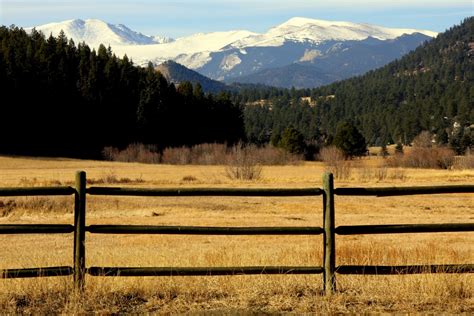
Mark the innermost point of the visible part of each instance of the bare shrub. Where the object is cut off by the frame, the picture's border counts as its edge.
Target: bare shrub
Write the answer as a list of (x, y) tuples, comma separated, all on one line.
[(220, 154), (133, 153), (335, 162), (464, 162), (33, 182), (424, 157), (209, 154), (202, 154), (242, 165), (423, 140), (380, 173), (377, 173), (110, 177), (365, 173), (176, 156), (398, 174), (270, 155), (6, 208), (189, 178), (110, 153)]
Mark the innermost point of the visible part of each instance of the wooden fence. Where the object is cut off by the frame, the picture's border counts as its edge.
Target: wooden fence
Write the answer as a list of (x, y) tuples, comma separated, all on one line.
[(328, 268)]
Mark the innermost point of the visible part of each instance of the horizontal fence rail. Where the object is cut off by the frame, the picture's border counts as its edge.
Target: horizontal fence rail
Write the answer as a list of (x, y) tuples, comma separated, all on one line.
[(197, 230), (35, 229), (398, 191), (413, 269), (183, 271), (36, 272), (328, 231), (202, 192), (37, 191), (402, 229)]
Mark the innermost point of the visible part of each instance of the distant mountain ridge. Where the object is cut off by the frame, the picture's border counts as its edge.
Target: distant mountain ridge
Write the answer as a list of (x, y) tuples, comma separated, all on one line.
[(228, 56), (176, 73), (336, 61), (429, 89), (95, 32)]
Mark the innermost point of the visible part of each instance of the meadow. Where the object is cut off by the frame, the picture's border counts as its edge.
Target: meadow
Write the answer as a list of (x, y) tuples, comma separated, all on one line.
[(433, 293)]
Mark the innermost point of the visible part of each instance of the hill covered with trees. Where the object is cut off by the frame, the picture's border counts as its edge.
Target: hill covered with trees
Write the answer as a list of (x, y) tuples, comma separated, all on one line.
[(59, 98), (177, 73), (431, 88)]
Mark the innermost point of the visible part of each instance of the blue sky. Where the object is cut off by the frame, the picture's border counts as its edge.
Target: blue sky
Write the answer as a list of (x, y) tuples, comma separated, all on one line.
[(185, 17)]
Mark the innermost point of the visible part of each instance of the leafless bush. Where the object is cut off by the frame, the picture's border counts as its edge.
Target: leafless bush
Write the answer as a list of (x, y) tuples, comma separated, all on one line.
[(378, 173), (220, 154), (209, 154), (6, 208), (176, 156), (33, 182), (202, 154), (133, 153), (242, 165), (398, 174), (423, 140), (189, 178), (270, 155), (365, 173), (335, 162), (110, 177), (464, 162), (424, 157)]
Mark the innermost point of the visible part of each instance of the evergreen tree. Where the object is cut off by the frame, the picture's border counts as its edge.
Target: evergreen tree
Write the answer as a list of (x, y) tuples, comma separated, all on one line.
[(442, 137), (350, 140), (77, 101), (292, 141)]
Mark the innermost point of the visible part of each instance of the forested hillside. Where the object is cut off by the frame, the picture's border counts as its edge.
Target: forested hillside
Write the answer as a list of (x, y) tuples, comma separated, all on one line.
[(429, 89), (177, 73), (59, 98)]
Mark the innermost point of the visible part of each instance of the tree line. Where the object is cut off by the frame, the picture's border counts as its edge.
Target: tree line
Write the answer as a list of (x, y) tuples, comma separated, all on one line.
[(59, 98), (430, 89)]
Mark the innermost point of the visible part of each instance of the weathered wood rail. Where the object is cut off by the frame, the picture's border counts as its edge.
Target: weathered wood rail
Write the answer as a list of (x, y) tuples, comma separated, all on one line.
[(329, 231)]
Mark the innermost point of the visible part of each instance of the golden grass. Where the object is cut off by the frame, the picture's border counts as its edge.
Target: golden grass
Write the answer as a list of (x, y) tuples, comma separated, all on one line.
[(433, 293)]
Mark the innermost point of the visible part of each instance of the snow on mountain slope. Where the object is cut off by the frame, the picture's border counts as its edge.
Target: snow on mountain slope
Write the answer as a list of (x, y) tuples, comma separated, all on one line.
[(95, 32), (197, 51), (192, 51), (317, 31)]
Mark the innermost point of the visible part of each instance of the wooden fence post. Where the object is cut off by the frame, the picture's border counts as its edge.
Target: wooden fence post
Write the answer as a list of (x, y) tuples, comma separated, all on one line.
[(329, 235), (80, 231)]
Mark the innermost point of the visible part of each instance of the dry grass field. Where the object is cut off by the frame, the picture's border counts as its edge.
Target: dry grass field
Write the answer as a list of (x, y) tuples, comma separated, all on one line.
[(432, 293)]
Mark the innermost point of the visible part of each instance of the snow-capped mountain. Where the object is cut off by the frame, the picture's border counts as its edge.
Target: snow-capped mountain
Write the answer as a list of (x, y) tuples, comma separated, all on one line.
[(192, 51), (232, 54), (95, 32), (354, 48), (318, 31)]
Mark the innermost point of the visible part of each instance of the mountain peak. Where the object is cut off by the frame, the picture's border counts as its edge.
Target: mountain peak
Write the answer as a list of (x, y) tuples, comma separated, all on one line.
[(95, 32), (300, 21)]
